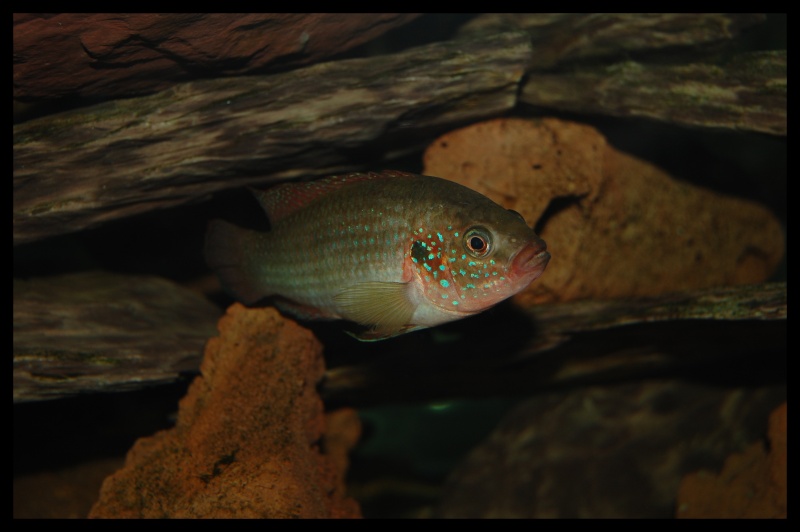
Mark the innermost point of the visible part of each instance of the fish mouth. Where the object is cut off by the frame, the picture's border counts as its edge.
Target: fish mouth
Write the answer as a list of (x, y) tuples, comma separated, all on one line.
[(531, 260)]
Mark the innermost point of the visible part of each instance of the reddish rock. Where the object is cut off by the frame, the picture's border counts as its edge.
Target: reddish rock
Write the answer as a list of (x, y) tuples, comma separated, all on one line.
[(624, 227), (113, 55), (250, 439)]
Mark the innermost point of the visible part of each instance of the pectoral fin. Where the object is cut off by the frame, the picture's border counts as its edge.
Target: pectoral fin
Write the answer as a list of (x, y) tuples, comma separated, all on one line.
[(383, 306)]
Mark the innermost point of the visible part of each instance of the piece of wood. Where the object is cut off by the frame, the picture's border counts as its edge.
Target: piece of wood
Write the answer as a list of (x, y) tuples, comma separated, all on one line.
[(562, 39), (87, 333), (77, 169), (102, 332), (115, 55), (510, 353), (746, 93)]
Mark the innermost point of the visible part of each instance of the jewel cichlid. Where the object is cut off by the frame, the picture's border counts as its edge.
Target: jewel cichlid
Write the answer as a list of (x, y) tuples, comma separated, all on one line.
[(392, 251)]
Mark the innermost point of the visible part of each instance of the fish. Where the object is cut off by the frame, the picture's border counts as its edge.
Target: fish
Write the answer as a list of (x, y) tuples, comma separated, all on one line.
[(391, 251)]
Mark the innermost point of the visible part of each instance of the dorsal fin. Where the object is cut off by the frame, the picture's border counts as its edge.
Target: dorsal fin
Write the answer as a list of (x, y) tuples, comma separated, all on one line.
[(282, 200)]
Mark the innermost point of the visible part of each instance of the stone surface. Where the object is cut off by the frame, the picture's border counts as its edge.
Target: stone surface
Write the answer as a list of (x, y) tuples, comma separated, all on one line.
[(751, 484), (605, 452), (110, 55), (616, 226), (250, 439)]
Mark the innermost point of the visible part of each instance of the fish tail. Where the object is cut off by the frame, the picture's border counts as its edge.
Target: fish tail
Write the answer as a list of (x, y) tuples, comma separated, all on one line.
[(227, 249)]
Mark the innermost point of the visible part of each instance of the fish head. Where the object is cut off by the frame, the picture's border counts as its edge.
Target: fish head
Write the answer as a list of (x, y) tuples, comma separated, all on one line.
[(476, 258)]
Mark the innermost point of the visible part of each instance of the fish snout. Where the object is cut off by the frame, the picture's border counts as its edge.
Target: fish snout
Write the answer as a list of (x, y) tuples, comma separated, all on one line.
[(531, 260)]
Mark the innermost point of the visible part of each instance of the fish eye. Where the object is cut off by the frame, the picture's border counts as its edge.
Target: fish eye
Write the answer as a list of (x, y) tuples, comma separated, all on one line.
[(478, 242)]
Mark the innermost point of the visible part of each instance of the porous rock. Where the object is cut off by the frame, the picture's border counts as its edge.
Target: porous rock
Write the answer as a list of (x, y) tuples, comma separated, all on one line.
[(617, 226), (250, 435), (751, 485)]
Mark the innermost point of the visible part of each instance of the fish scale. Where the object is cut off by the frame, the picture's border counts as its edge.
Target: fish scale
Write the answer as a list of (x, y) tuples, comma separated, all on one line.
[(392, 251)]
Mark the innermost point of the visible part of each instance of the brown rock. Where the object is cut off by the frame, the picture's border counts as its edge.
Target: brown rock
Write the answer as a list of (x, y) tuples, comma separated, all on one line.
[(751, 484), (123, 54), (249, 436), (622, 227)]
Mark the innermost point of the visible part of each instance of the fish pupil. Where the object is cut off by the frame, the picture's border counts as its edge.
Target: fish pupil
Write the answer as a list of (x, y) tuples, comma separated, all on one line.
[(477, 244)]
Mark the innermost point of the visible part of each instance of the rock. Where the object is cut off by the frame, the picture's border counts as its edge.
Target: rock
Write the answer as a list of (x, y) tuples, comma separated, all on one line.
[(110, 55), (616, 226), (604, 451), (751, 485), (250, 439)]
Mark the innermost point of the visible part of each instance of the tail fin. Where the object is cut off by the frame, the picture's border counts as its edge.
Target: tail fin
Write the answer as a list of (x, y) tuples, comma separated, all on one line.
[(232, 253)]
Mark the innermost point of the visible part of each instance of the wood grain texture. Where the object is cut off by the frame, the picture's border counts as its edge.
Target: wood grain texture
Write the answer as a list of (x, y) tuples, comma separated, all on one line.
[(77, 169), (102, 332)]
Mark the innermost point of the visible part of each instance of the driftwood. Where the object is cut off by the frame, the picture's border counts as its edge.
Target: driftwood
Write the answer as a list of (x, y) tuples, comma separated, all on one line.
[(107, 55), (77, 169), (746, 93), (550, 347), (121, 158), (100, 332)]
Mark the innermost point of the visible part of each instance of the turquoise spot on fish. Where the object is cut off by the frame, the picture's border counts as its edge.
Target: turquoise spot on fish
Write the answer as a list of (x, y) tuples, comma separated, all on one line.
[(441, 239), (455, 303), (462, 272), (471, 263), (430, 256), (455, 234), (441, 267), (427, 267), (444, 283), (444, 296), (470, 285)]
